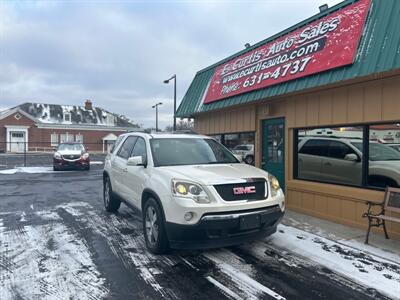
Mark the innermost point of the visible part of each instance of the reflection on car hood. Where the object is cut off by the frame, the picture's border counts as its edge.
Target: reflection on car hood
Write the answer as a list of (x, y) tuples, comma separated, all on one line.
[(215, 173)]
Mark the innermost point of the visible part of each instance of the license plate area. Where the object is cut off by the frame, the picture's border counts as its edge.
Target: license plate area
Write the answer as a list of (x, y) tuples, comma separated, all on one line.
[(250, 222)]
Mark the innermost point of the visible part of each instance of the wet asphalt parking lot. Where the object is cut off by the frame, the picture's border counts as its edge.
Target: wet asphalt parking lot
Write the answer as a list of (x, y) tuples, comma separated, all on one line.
[(57, 242)]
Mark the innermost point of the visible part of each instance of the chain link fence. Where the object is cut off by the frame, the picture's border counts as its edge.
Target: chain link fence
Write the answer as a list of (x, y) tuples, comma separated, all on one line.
[(39, 154)]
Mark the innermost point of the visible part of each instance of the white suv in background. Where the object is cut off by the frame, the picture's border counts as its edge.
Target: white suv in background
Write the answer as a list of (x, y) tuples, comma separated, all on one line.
[(246, 151), (192, 191)]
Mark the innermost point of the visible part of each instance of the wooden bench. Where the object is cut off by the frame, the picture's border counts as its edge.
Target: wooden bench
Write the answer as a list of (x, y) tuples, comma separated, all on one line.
[(390, 203)]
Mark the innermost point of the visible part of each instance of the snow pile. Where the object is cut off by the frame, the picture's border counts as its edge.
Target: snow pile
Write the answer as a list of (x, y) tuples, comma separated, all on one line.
[(96, 162), (30, 170), (361, 267)]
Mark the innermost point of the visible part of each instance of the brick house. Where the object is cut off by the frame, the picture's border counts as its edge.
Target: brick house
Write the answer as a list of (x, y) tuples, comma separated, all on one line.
[(41, 127)]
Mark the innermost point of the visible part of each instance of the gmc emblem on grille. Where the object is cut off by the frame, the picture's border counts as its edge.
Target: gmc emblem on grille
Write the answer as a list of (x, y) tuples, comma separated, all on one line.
[(244, 190)]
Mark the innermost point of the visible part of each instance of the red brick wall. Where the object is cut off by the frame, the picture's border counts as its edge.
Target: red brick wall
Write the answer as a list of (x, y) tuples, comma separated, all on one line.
[(40, 138), (93, 139), (11, 120)]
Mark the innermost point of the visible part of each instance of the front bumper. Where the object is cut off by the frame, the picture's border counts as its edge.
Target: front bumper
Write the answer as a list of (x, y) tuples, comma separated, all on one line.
[(225, 229), (67, 164)]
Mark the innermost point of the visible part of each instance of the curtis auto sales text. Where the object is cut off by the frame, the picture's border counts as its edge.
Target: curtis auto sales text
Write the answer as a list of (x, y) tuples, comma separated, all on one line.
[(277, 58)]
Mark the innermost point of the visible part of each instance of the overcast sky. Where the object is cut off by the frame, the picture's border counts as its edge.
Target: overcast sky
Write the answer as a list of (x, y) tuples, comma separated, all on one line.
[(117, 53)]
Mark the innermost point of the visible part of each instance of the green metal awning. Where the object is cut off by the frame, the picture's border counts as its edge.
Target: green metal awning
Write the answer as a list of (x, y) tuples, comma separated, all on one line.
[(379, 51)]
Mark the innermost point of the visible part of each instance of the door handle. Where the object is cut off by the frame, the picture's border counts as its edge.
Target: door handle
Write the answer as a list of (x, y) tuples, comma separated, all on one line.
[(125, 170), (328, 164)]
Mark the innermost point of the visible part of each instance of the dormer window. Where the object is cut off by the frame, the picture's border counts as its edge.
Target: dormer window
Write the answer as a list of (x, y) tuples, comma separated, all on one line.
[(67, 117)]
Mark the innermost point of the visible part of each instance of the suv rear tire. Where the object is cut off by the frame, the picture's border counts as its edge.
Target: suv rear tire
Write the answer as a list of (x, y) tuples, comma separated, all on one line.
[(249, 159), (154, 227), (111, 202)]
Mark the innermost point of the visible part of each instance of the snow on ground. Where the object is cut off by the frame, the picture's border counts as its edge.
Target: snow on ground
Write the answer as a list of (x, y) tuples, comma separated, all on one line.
[(386, 254), (28, 170), (47, 262), (371, 249), (33, 170), (361, 267), (52, 261)]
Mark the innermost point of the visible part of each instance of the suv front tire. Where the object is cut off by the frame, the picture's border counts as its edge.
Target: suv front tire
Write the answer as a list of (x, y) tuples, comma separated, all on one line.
[(111, 202), (154, 227)]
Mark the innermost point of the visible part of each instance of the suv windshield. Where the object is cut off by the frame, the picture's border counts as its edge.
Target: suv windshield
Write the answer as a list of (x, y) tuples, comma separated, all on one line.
[(379, 152), (189, 151), (71, 147)]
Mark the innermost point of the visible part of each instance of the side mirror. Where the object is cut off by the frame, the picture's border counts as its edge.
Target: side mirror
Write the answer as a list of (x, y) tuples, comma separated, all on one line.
[(351, 157), (135, 161)]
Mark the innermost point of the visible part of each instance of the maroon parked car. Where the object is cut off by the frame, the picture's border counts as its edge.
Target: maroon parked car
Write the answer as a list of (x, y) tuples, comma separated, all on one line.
[(71, 156)]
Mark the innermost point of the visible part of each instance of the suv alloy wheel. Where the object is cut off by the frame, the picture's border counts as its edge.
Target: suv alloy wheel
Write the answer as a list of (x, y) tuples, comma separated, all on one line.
[(154, 227)]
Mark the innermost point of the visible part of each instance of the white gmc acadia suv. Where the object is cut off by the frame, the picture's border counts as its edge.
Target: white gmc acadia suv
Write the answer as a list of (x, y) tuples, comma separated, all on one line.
[(191, 190)]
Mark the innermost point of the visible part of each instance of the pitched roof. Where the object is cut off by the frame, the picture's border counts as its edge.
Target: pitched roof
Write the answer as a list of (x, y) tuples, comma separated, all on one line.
[(79, 115), (378, 52)]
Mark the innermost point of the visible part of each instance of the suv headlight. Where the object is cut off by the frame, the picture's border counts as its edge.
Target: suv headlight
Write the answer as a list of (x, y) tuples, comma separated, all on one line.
[(187, 189), (274, 184), (57, 155)]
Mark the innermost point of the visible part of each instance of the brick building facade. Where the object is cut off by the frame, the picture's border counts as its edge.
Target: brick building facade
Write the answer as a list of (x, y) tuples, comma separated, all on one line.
[(41, 127)]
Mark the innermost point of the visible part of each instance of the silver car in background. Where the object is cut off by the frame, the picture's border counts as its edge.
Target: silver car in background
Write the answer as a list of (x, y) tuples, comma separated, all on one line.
[(339, 160)]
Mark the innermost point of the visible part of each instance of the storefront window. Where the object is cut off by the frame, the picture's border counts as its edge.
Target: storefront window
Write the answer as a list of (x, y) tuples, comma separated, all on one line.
[(384, 155), (328, 154), (218, 137), (241, 144), (335, 155)]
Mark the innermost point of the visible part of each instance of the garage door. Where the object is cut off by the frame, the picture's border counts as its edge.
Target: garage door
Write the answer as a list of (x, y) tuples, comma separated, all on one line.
[(17, 140)]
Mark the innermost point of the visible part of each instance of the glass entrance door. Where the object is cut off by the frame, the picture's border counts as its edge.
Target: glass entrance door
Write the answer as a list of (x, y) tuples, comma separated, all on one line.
[(273, 148)]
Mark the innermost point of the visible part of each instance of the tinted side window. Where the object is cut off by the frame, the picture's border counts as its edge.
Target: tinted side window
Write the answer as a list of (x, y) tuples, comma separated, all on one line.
[(117, 142), (338, 150), (127, 147), (315, 147), (140, 149)]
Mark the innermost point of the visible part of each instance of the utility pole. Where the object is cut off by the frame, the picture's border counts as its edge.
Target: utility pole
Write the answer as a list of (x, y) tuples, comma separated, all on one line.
[(156, 107), (166, 82)]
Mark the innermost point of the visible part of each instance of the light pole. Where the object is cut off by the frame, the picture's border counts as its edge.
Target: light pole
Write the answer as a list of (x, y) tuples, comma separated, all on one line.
[(156, 107), (167, 81)]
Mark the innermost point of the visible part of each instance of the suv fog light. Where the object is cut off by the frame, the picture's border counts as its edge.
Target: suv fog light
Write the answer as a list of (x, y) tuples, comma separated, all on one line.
[(188, 216), (283, 205)]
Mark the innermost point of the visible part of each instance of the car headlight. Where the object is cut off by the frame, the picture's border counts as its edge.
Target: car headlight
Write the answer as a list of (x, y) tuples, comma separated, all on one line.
[(85, 155), (187, 189), (274, 184), (57, 155)]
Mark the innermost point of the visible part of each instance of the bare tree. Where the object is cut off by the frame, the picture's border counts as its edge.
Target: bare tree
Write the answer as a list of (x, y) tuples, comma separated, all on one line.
[(182, 125)]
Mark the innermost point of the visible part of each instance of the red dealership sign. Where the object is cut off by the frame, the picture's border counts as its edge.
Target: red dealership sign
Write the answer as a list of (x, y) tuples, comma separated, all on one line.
[(327, 43)]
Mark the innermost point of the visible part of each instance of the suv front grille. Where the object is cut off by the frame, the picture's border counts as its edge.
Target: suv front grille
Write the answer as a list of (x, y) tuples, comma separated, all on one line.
[(253, 189), (71, 157)]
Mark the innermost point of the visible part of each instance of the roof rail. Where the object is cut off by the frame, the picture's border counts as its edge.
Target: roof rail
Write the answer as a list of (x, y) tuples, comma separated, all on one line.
[(185, 131)]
